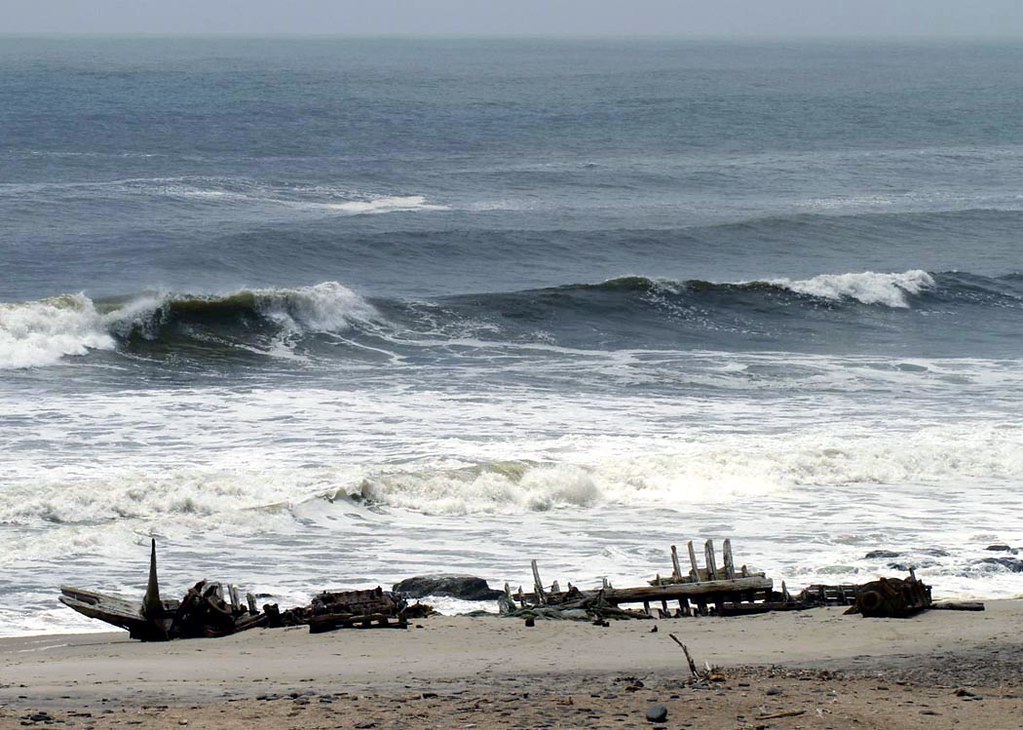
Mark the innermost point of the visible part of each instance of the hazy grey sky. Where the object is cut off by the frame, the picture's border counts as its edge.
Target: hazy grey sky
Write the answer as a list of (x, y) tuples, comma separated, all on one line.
[(482, 17)]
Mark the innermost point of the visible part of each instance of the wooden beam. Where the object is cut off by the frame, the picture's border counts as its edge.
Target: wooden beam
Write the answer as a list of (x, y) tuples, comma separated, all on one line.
[(677, 574), (676, 591), (729, 563), (537, 585), (694, 572), (708, 552)]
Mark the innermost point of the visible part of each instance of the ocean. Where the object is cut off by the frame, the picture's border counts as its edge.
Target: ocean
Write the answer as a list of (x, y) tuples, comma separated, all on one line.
[(332, 312)]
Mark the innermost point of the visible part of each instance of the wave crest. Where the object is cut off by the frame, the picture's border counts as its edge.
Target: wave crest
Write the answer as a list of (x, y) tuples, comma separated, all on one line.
[(868, 287)]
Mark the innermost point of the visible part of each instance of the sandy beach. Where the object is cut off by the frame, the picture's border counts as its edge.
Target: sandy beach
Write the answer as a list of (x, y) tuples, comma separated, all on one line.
[(811, 669)]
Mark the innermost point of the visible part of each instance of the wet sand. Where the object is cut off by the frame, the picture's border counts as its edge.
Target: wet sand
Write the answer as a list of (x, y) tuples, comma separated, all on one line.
[(806, 669)]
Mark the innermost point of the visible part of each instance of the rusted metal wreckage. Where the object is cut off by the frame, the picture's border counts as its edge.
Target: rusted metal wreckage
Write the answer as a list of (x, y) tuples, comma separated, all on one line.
[(212, 609)]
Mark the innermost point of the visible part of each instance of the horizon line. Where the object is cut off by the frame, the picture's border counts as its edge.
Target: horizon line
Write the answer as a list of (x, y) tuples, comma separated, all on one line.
[(769, 37)]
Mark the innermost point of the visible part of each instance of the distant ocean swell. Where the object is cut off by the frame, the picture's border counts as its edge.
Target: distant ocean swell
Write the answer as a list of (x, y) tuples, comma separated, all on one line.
[(40, 333)]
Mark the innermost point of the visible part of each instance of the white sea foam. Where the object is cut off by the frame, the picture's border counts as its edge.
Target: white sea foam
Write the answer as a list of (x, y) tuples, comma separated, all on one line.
[(326, 307), (386, 204), (253, 485), (867, 287), (241, 480), (40, 333)]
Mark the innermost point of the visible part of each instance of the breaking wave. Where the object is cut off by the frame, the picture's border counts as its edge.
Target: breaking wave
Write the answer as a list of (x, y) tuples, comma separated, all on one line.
[(634, 311), (40, 333)]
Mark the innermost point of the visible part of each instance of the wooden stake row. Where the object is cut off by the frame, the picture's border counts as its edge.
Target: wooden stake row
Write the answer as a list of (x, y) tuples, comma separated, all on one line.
[(702, 586)]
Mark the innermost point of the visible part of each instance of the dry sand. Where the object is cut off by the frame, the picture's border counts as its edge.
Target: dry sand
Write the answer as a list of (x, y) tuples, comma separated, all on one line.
[(811, 669)]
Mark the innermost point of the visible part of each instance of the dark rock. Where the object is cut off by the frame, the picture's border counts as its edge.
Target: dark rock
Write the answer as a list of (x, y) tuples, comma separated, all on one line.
[(874, 554), (530, 621), (1000, 549), (773, 691), (1015, 565), (466, 587), (904, 567), (934, 552), (657, 713)]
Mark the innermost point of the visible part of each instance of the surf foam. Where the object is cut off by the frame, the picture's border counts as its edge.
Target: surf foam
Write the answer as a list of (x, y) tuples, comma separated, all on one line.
[(868, 287), (40, 333)]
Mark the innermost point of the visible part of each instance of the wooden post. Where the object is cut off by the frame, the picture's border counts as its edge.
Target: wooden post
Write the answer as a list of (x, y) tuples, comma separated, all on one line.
[(152, 606), (251, 600), (537, 585), (677, 574), (236, 603), (555, 588), (729, 564), (708, 551), (694, 571)]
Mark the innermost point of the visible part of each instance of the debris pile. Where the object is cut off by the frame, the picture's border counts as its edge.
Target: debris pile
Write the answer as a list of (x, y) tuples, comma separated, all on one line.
[(211, 609), (344, 609), (893, 598)]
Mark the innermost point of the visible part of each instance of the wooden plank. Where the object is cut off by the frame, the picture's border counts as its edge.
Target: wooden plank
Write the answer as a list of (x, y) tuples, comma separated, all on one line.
[(537, 585), (694, 572), (708, 552), (729, 563), (676, 568), (674, 591)]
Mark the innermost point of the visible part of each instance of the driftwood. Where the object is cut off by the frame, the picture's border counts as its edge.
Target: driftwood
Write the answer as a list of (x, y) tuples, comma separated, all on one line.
[(958, 606), (689, 657), (577, 607)]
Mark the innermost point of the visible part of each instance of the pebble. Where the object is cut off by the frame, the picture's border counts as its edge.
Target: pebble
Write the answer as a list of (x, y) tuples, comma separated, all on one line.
[(657, 713)]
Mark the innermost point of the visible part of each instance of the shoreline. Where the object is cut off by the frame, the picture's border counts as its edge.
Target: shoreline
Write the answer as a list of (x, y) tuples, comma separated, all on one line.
[(845, 666)]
